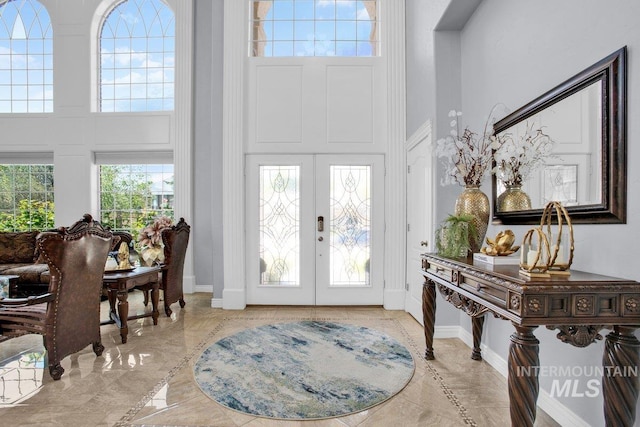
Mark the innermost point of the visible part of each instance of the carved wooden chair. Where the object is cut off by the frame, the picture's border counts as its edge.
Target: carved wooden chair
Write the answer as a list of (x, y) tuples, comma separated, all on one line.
[(175, 240), (68, 316)]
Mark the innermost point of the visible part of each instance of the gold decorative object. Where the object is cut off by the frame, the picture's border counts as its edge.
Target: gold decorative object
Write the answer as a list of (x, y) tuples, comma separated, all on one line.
[(554, 252), (513, 199), (560, 240), (123, 257), (502, 245), (533, 257), (474, 202)]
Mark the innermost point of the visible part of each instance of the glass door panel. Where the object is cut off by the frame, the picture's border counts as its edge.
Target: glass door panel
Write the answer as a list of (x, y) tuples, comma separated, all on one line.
[(280, 225), (350, 222)]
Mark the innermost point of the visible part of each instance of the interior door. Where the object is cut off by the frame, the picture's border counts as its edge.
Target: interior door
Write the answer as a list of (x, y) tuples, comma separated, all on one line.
[(315, 229), (419, 220)]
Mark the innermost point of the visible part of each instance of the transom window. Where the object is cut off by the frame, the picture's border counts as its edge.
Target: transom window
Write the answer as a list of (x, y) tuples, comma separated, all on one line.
[(132, 196), (26, 197), (314, 28), (137, 57), (26, 58)]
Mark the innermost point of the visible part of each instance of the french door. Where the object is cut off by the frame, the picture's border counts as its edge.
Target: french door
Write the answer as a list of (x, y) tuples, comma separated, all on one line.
[(315, 229)]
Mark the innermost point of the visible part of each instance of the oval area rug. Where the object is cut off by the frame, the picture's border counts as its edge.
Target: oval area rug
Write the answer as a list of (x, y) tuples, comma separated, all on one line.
[(304, 370)]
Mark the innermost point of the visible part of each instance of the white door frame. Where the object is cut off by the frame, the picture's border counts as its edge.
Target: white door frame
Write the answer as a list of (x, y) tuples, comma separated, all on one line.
[(234, 135)]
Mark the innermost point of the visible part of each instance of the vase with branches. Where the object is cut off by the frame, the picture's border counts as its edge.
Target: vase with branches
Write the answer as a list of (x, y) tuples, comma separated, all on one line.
[(466, 157)]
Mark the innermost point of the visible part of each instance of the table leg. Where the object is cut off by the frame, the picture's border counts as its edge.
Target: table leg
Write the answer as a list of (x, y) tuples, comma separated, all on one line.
[(523, 366), (155, 297), (620, 381), (111, 296), (477, 323), (429, 315), (123, 313)]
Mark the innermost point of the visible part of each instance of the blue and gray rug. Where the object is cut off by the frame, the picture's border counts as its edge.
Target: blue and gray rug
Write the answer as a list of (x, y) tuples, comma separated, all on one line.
[(304, 370)]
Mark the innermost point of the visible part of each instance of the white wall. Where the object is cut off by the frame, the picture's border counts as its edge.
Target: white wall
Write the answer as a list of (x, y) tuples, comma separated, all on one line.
[(513, 51), (207, 157)]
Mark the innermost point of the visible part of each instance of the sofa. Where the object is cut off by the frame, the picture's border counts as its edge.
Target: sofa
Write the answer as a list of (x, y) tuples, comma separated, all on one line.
[(18, 257)]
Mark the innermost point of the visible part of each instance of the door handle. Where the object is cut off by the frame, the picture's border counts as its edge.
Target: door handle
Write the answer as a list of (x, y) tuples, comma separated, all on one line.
[(424, 243), (320, 239), (320, 223)]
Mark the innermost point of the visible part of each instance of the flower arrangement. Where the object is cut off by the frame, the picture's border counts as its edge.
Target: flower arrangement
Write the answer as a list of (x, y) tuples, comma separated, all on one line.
[(150, 240), (467, 155), (517, 157)]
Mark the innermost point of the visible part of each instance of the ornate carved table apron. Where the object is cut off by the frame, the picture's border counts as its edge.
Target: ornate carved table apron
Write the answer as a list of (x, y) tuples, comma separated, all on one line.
[(579, 306)]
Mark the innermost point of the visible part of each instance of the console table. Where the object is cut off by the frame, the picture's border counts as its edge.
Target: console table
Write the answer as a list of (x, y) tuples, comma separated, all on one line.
[(579, 306)]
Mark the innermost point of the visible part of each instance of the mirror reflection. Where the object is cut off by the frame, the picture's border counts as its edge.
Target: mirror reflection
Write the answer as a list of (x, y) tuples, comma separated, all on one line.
[(567, 145), (554, 155)]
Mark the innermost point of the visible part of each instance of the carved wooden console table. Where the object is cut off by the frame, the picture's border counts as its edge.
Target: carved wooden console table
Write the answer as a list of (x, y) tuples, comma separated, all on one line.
[(579, 306)]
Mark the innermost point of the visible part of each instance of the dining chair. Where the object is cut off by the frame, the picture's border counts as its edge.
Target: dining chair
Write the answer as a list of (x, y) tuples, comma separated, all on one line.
[(175, 240), (68, 315)]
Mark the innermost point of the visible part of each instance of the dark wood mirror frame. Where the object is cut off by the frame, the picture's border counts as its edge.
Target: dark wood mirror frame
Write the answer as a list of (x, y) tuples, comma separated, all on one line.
[(611, 72)]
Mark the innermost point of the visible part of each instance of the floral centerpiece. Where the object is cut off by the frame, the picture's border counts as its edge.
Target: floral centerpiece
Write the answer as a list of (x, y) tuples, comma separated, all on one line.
[(466, 155), (517, 157), (150, 240)]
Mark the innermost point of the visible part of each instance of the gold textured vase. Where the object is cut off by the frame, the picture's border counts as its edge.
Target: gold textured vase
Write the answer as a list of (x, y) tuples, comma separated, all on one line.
[(474, 202), (513, 199)]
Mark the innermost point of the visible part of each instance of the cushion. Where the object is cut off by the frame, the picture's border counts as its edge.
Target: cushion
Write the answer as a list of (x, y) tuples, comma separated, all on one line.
[(17, 247), (31, 273)]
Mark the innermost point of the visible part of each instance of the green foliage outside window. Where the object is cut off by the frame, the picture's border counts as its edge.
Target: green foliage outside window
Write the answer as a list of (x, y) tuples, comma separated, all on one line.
[(128, 199), (26, 197)]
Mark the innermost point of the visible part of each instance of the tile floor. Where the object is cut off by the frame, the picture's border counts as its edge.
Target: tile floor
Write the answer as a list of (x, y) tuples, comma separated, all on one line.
[(149, 380)]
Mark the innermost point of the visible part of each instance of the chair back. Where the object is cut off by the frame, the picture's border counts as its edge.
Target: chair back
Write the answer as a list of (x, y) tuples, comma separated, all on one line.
[(76, 257), (121, 237), (175, 240)]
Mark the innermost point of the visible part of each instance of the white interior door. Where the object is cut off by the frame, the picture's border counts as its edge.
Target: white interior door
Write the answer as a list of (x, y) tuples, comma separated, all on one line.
[(315, 229), (419, 220)]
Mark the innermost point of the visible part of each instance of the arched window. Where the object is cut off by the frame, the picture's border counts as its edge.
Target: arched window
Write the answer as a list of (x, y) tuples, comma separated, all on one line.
[(314, 28), (26, 58), (137, 57)]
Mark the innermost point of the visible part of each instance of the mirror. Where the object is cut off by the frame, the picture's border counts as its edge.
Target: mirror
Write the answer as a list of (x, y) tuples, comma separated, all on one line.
[(568, 145)]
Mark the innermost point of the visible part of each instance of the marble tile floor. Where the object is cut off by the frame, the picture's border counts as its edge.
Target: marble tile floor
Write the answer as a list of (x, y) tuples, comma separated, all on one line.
[(149, 380)]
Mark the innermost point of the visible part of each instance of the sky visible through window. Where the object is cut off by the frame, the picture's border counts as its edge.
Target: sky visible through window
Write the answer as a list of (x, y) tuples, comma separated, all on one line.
[(314, 28), (137, 57), (26, 58)]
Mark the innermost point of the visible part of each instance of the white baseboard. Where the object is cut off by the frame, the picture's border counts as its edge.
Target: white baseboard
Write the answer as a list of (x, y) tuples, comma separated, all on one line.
[(233, 299), (446, 332), (216, 302), (556, 410), (208, 289), (189, 284)]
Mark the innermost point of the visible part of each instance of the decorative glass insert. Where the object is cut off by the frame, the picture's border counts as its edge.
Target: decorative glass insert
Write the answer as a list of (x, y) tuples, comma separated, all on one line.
[(132, 196), (561, 184), (26, 58), (137, 57), (314, 28), (26, 197), (350, 225), (280, 225)]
